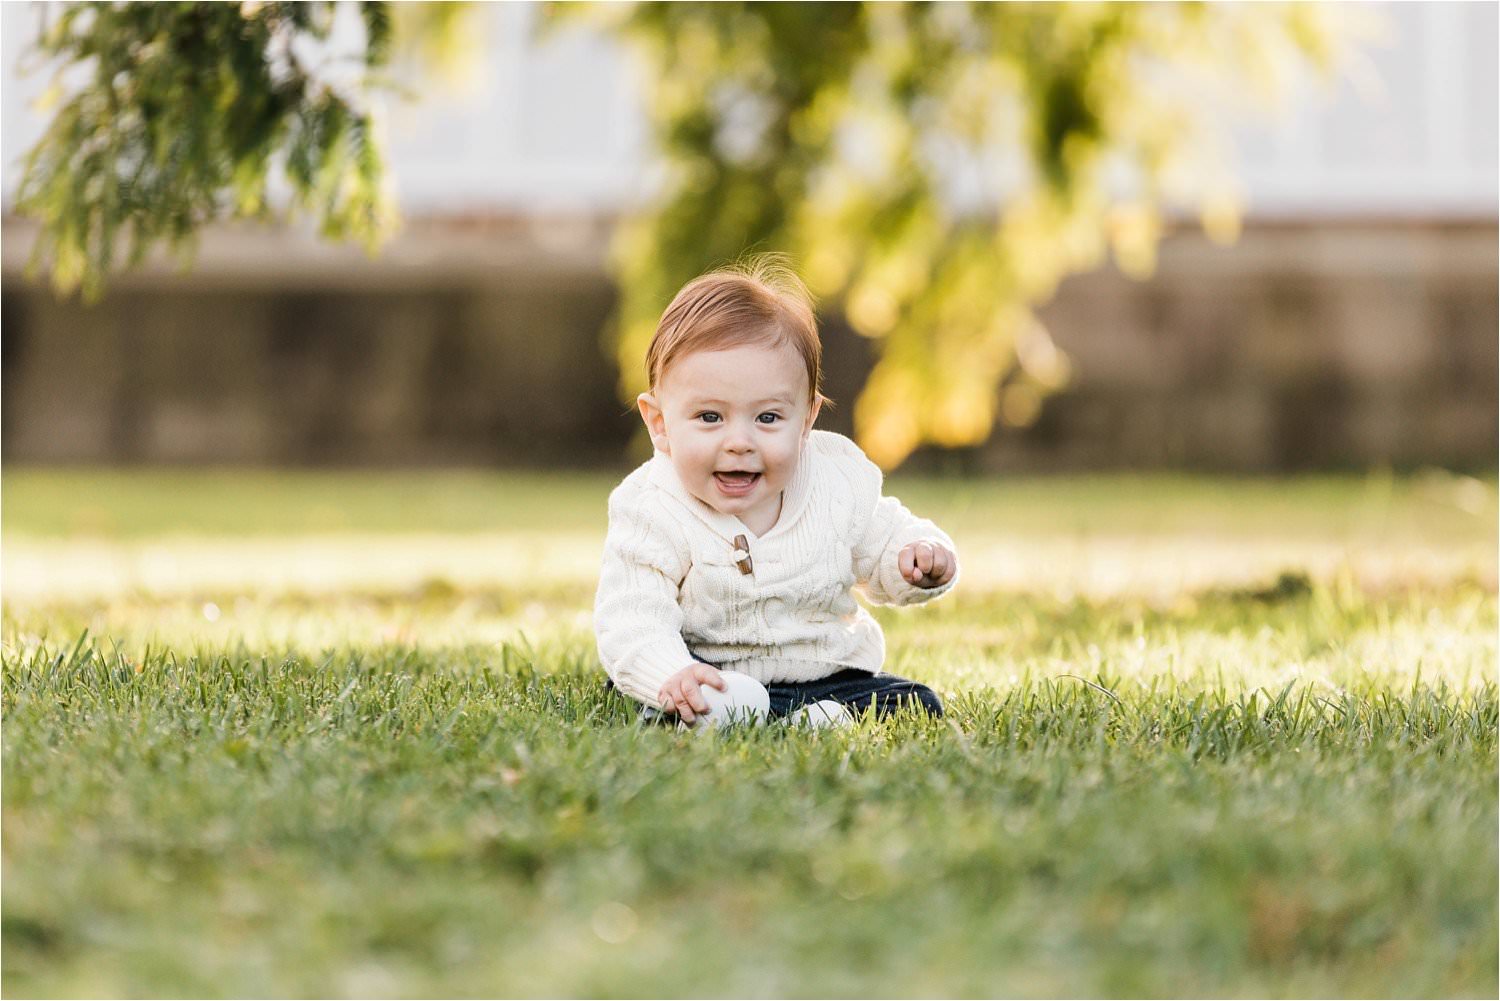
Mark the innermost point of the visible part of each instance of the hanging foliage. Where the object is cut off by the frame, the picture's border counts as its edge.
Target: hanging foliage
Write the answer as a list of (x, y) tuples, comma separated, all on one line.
[(933, 169), (190, 113)]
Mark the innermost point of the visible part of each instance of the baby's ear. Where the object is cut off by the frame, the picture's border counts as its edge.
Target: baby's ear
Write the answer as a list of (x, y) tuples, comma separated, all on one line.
[(655, 421), (812, 415)]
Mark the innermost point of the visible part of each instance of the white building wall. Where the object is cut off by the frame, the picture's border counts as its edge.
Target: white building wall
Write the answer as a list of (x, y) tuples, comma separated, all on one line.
[(556, 125)]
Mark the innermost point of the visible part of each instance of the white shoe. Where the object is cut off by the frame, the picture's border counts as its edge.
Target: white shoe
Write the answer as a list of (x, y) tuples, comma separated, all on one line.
[(824, 715), (745, 700)]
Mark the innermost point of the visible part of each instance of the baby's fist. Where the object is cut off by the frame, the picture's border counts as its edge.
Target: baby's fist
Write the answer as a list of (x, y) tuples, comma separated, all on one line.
[(927, 564)]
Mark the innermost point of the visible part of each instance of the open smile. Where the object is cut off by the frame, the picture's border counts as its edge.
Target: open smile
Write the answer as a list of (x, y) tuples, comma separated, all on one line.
[(736, 484)]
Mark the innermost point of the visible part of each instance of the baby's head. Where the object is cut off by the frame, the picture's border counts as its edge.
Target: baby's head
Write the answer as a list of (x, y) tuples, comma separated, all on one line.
[(735, 377)]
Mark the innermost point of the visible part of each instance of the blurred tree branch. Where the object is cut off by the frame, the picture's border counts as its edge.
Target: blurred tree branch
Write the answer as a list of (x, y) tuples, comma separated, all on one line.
[(195, 112), (820, 130), (171, 116)]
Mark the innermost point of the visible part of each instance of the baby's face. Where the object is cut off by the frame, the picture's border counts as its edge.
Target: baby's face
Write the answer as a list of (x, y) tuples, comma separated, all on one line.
[(733, 423)]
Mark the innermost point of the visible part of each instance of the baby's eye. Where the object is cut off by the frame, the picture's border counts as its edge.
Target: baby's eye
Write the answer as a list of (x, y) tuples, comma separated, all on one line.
[(709, 417), (768, 418)]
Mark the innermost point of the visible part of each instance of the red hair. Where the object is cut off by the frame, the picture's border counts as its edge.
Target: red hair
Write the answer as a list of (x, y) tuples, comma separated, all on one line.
[(759, 301)]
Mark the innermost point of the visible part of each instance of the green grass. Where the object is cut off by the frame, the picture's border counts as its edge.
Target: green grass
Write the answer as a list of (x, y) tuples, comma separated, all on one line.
[(1279, 781), (1432, 508)]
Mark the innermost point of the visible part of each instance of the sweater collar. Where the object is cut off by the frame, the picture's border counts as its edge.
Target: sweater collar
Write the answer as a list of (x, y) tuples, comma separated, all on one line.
[(793, 500)]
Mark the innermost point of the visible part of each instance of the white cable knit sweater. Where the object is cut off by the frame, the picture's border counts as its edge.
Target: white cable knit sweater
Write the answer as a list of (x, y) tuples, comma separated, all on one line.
[(671, 593)]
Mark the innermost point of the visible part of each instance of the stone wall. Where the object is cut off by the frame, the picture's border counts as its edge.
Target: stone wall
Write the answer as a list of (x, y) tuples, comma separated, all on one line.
[(1301, 347)]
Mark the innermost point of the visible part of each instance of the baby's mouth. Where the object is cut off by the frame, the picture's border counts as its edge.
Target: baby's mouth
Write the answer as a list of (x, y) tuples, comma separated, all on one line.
[(736, 482)]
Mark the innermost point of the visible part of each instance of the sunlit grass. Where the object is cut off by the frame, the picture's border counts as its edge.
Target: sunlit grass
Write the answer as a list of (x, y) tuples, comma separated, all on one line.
[(101, 535), (1205, 738), (1433, 507)]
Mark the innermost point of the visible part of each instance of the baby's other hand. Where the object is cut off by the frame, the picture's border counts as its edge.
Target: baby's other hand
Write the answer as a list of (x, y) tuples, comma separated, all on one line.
[(927, 564), (679, 694)]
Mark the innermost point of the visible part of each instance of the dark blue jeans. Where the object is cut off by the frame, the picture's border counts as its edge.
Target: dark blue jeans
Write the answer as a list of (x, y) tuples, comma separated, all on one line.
[(854, 688)]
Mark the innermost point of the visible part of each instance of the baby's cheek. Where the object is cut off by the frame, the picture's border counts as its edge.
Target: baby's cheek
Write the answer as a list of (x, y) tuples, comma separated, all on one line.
[(786, 461)]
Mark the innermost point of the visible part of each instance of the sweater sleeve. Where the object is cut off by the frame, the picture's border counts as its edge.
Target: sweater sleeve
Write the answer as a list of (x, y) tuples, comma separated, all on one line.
[(881, 537), (637, 621)]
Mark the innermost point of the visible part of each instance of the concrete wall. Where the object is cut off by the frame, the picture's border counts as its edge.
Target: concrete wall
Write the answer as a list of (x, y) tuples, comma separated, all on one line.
[(306, 377), (1303, 346)]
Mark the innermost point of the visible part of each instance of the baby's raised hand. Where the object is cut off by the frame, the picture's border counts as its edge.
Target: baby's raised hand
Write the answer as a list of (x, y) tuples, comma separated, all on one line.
[(927, 564), (679, 694)]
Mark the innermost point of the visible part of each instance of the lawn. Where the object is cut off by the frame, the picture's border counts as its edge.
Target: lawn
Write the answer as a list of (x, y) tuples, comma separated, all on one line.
[(343, 734)]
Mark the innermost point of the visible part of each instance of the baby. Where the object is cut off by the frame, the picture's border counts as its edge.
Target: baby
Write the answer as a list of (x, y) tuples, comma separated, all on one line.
[(732, 553)]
